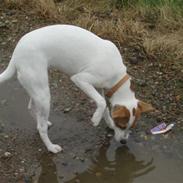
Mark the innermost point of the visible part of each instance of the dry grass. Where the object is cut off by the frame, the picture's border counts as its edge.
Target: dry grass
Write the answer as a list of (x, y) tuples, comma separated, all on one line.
[(45, 8), (14, 3), (155, 28), (168, 47)]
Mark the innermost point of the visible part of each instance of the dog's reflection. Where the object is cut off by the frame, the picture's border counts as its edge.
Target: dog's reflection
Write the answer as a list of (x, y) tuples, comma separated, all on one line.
[(48, 170), (114, 164)]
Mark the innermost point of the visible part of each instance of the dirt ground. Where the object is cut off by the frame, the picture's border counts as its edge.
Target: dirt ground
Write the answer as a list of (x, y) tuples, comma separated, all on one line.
[(21, 150)]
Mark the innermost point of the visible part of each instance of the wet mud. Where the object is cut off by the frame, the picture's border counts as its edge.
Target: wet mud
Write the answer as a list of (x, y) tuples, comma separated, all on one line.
[(90, 153)]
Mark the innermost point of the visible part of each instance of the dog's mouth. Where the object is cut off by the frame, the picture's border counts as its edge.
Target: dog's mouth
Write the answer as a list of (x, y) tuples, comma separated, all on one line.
[(123, 141)]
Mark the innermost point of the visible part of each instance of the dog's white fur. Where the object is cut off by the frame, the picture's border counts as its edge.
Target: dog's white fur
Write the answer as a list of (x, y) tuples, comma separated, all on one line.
[(90, 61)]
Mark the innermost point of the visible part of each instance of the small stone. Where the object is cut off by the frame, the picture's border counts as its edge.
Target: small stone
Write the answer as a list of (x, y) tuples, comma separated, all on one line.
[(68, 109), (133, 60), (2, 25), (7, 22), (109, 135), (7, 154), (77, 158), (76, 173), (156, 83), (40, 150), (82, 159), (142, 135), (14, 21), (77, 181), (3, 102), (76, 89), (21, 170), (142, 83), (61, 176), (64, 163), (88, 150), (74, 156), (16, 174), (22, 161), (6, 136), (145, 137), (160, 65), (178, 97)]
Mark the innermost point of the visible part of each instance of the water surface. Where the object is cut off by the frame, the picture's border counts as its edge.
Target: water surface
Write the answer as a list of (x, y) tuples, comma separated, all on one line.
[(89, 159)]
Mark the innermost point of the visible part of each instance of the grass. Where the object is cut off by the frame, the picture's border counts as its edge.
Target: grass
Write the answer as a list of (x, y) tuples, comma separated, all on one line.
[(45, 8), (167, 47), (152, 27), (172, 4)]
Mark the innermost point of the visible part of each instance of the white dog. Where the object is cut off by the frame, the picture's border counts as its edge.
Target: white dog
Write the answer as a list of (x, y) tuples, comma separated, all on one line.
[(90, 61)]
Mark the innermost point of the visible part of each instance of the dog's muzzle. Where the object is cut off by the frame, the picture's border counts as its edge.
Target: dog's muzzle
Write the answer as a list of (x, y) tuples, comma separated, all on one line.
[(123, 141)]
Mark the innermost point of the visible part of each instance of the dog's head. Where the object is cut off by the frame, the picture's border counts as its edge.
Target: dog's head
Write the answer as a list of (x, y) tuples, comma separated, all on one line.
[(125, 117)]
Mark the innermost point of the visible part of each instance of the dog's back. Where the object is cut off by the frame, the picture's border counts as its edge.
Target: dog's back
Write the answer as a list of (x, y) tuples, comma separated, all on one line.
[(70, 48)]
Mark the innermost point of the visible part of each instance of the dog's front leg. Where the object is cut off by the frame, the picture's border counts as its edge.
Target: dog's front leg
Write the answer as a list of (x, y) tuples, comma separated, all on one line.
[(106, 115), (85, 82), (108, 118)]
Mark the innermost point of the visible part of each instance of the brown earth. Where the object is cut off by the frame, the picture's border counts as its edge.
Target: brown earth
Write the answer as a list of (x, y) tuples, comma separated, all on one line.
[(157, 82)]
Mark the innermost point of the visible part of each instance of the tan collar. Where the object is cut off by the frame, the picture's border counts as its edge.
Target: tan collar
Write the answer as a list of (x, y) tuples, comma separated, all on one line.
[(117, 86)]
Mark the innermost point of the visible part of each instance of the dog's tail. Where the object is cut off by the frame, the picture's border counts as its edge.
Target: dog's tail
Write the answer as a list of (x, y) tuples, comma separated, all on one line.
[(8, 73)]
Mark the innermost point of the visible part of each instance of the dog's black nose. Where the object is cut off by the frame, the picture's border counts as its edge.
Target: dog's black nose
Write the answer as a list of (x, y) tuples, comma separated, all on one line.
[(123, 141)]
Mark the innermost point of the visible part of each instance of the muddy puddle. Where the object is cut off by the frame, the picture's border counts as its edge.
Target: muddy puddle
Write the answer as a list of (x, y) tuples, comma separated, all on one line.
[(90, 154), (114, 164)]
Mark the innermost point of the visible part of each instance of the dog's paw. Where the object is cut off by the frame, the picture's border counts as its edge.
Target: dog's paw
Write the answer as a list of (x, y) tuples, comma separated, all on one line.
[(95, 124), (54, 148)]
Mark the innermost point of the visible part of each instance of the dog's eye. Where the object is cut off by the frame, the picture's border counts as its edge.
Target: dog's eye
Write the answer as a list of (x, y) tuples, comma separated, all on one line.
[(121, 122)]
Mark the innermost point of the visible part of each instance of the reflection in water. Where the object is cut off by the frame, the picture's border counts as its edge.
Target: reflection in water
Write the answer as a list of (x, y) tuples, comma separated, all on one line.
[(114, 164), (48, 172)]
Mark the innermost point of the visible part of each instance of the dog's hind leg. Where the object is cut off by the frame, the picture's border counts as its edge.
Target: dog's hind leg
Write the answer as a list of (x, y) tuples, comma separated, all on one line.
[(38, 89), (31, 108)]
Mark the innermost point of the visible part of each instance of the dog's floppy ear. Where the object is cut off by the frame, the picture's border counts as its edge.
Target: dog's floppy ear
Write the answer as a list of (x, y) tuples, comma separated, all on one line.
[(121, 116), (145, 107)]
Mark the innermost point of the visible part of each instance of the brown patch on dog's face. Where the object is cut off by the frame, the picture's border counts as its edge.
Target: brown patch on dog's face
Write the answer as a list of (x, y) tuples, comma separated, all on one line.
[(121, 116)]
